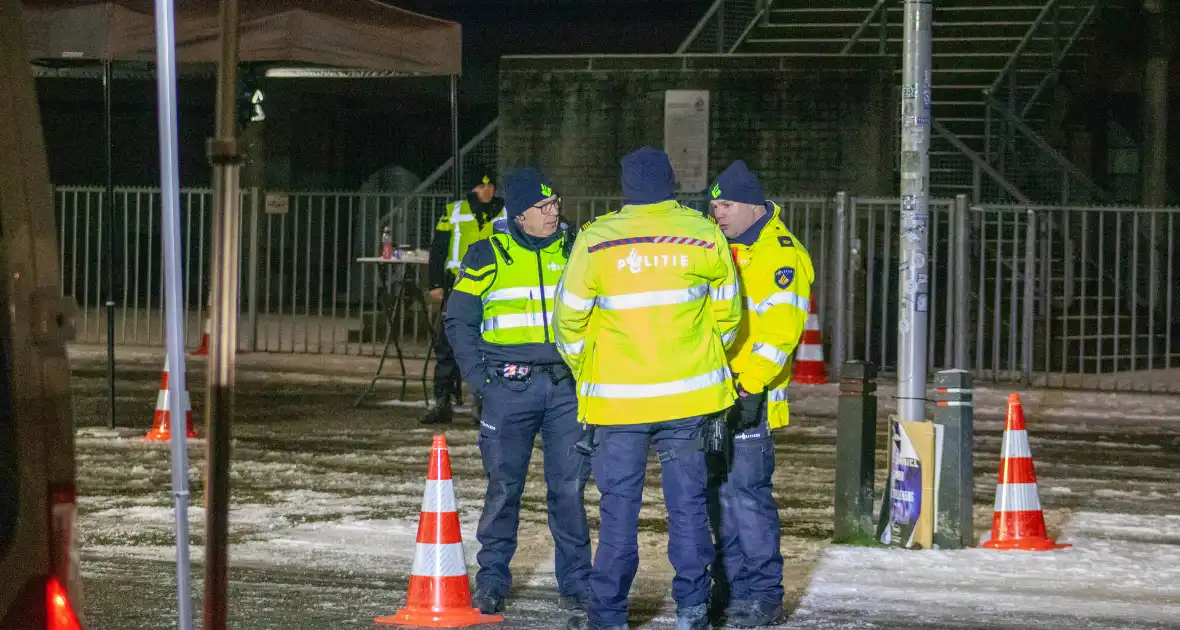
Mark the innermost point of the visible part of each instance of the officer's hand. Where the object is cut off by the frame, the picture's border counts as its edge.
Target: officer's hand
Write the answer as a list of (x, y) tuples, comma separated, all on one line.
[(436, 294)]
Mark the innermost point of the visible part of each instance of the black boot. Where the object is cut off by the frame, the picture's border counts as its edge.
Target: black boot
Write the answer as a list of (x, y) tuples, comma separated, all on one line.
[(440, 413)]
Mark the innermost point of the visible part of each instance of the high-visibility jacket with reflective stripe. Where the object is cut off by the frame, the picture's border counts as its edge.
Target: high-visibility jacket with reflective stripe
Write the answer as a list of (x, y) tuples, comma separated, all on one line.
[(644, 312), (464, 229), (517, 296), (776, 276)]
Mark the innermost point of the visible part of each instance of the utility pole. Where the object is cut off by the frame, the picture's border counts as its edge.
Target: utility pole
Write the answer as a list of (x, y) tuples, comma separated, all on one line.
[(225, 156), (914, 271)]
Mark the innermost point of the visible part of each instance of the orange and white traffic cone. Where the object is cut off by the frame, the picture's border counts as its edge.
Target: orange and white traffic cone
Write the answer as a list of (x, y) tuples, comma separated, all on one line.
[(203, 349), (162, 419), (1018, 522), (440, 594), (809, 356)]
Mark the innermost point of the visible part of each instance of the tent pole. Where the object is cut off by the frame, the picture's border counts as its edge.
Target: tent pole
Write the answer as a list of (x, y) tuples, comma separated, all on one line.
[(456, 153), (174, 303), (109, 229), (225, 157)]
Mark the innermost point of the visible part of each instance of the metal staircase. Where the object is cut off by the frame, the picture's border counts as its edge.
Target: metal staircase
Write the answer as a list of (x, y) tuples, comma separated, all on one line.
[(1008, 50)]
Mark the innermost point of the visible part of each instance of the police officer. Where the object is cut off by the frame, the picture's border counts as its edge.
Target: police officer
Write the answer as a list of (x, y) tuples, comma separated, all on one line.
[(499, 320), (645, 310), (465, 222), (776, 276)]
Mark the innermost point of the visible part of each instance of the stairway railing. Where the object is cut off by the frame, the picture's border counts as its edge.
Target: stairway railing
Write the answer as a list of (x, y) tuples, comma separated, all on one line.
[(877, 12), (724, 26)]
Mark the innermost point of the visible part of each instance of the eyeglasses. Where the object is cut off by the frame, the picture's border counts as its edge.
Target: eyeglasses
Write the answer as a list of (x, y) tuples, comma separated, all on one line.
[(550, 207)]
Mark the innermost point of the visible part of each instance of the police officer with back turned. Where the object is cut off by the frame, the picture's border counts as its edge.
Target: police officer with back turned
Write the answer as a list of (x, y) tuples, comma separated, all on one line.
[(776, 276), (499, 320), (465, 222), (645, 311)]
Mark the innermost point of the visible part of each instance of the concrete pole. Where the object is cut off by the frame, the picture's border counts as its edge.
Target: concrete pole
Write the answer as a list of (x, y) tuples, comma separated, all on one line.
[(1155, 106), (914, 298)]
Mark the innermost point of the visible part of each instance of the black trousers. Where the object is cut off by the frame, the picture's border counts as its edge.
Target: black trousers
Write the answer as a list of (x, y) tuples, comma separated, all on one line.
[(447, 380)]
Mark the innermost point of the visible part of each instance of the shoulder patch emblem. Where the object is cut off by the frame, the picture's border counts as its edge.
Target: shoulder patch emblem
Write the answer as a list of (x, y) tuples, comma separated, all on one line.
[(785, 241), (784, 277)]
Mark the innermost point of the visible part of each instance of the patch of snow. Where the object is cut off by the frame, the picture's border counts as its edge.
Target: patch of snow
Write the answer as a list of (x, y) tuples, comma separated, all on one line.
[(1124, 578)]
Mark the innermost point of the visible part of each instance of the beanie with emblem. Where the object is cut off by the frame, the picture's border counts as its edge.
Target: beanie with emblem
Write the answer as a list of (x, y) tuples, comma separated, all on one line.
[(738, 184), (647, 177), (523, 188), (481, 177)]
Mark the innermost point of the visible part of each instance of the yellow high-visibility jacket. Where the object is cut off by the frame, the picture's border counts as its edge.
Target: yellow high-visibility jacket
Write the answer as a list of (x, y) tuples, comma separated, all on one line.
[(646, 307), (464, 229), (776, 275)]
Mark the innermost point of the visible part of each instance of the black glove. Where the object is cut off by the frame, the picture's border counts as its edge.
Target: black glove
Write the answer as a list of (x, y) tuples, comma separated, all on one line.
[(747, 413)]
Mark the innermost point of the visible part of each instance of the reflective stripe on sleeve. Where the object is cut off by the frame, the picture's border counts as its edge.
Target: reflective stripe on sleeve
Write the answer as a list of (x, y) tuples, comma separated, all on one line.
[(777, 395), (570, 349), (728, 337), (518, 293), (727, 292), (784, 297), (519, 320), (749, 304), (652, 298), (573, 301), (767, 351), (654, 390)]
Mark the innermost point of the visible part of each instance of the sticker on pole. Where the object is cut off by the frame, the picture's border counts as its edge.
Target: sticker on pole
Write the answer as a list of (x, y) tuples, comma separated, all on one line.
[(910, 503)]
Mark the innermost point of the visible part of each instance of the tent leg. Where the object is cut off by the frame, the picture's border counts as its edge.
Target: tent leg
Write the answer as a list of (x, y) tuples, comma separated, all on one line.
[(455, 151), (109, 229)]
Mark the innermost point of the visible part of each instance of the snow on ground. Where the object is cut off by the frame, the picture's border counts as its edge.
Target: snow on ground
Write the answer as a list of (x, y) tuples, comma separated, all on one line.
[(1122, 571), (326, 500)]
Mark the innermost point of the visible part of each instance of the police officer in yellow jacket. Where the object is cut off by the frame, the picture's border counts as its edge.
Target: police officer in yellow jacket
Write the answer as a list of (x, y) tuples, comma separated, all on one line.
[(499, 323), (776, 276), (646, 308), (465, 222)]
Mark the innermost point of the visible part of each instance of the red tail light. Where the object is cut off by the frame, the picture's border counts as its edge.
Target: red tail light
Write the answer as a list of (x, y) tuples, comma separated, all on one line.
[(63, 589), (60, 613)]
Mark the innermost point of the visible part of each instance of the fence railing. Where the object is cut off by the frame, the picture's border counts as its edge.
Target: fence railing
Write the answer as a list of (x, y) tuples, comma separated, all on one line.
[(1060, 296)]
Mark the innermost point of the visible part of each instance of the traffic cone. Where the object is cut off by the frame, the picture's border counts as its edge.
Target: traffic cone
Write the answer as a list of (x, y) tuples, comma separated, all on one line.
[(809, 357), (1018, 522), (203, 350), (439, 595), (162, 419)]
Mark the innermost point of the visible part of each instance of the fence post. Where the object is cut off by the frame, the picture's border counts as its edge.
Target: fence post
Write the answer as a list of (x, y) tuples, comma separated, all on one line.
[(961, 274), (955, 414), (252, 274), (838, 287), (1026, 326), (856, 450)]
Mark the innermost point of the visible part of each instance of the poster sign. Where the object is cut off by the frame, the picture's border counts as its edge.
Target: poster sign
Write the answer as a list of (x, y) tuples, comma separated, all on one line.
[(686, 137), (276, 203), (909, 509)]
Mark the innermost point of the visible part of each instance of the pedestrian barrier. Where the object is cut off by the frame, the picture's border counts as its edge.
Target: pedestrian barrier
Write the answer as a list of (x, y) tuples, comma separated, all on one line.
[(440, 593), (1018, 522)]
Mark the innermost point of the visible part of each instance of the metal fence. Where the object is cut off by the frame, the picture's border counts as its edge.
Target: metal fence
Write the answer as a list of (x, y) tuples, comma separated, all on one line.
[(1056, 296)]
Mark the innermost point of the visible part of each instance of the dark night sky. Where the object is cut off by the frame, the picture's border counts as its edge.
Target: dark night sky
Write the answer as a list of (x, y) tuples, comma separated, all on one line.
[(361, 124), (493, 28)]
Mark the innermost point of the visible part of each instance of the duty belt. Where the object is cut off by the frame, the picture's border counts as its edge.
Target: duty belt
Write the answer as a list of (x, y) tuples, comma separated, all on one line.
[(519, 371)]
